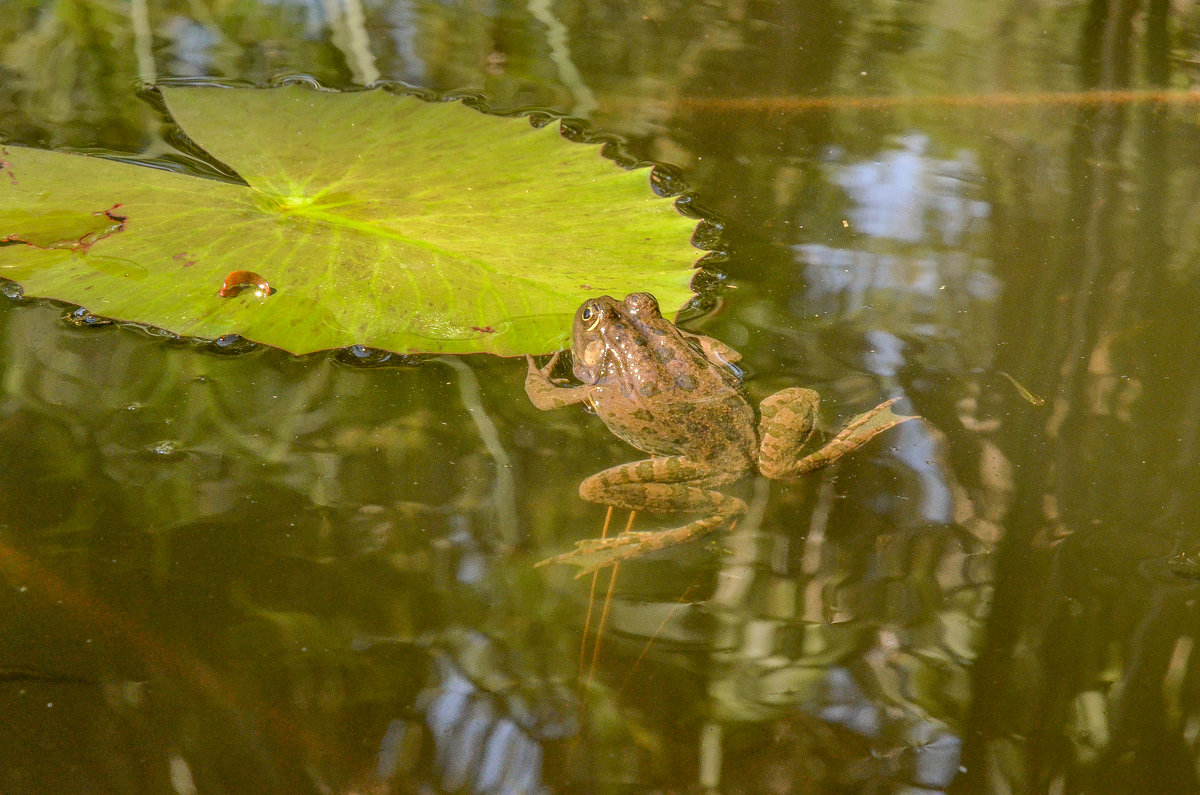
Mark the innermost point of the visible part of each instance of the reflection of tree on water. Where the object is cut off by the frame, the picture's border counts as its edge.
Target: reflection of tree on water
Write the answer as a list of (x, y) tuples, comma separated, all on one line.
[(482, 725), (1089, 682), (871, 630)]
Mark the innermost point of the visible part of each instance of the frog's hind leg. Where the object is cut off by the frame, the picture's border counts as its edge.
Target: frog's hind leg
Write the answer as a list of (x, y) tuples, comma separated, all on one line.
[(787, 428), (658, 485), (663, 485)]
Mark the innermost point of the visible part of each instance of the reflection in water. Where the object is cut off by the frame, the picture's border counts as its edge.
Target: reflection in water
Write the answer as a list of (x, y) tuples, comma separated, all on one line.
[(907, 196), (915, 222), (190, 49), (404, 29), (866, 609), (822, 616), (1080, 684), (481, 743)]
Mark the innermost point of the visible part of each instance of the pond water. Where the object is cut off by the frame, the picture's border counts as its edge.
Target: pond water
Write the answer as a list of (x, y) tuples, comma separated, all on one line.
[(243, 571)]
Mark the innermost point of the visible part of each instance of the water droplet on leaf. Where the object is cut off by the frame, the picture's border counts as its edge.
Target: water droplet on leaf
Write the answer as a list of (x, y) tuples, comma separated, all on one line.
[(85, 319), (11, 290), (366, 356), (230, 345), (237, 281)]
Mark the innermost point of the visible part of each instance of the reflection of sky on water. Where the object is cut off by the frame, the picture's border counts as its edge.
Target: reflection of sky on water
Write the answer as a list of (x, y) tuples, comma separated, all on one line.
[(483, 742), (476, 746), (191, 47), (918, 223), (194, 44), (905, 195), (914, 265), (403, 30), (912, 444)]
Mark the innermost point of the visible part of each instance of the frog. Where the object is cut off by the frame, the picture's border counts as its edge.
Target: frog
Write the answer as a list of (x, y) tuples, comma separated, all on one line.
[(677, 395)]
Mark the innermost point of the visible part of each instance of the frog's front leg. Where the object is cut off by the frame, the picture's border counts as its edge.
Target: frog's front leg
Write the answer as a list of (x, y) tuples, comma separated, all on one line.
[(656, 485), (788, 427), (547, 394)]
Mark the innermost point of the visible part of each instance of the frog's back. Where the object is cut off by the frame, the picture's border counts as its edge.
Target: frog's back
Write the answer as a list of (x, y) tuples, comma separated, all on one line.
[(707, 427)]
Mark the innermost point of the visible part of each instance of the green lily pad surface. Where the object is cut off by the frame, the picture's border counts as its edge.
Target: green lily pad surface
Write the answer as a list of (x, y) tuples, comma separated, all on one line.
[(374, 218)]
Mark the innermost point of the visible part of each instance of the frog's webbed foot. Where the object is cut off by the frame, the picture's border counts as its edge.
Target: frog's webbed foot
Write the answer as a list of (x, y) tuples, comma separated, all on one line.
[(860, 430), (592, 554)]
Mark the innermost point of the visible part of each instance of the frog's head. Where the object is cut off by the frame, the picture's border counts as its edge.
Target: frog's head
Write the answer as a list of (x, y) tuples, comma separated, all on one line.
[(599, 325), (607, 331)]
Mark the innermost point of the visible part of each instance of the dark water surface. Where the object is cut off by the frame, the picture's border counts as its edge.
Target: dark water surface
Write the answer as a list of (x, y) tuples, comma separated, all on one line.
[(225, 572)]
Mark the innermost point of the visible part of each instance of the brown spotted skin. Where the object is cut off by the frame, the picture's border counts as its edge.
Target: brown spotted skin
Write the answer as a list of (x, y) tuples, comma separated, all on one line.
[(674, 395)]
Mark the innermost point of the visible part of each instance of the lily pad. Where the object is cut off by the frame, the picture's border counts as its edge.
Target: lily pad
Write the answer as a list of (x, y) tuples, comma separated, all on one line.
[(376, 219)]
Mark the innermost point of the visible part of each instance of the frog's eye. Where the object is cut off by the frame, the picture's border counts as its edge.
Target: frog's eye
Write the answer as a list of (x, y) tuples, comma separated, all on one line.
[(591, 316)]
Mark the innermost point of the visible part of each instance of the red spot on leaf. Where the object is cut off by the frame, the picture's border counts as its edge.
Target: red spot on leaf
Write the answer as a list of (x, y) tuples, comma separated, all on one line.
[(186, 259), (484, 329), (6, 167)]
